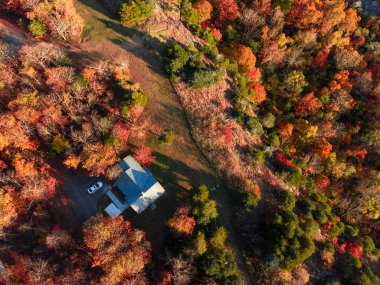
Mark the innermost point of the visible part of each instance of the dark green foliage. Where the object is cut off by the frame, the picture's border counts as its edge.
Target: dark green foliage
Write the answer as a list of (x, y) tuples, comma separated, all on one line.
[(336, 229), (320, 216), (37, 28), (254, 126), (136, 10), (348, 265), (274, 140), (62, 61), (286, 200), (188, 14), (204, 209), (329, 247), (219, 264), (259, 157), (203, 78), (59, 144), (177, 57), (250, 200), (368, 244), (351, 231)]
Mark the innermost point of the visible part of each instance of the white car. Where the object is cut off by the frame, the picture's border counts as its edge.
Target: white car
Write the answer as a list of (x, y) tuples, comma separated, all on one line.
[(95, 187)]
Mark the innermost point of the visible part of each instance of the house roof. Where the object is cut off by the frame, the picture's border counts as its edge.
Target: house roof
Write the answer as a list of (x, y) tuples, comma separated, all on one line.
[(112, 210), (138, 185)]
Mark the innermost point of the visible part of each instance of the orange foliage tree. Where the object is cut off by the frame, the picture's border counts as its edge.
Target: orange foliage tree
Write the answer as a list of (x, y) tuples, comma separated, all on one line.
[(119, 249), (323, 148), (204, 9), (243, 56), (96, 158), (181, 222)]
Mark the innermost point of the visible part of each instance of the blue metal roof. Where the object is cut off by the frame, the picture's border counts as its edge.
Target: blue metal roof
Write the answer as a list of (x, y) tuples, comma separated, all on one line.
[(131, 190)]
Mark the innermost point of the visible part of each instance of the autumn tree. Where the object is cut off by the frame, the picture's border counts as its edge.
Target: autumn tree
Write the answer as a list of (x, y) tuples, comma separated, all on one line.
[(182, 223), (119, 249), (143, 155), (243, 56), (96, 158), (204, 9), (226, 12)]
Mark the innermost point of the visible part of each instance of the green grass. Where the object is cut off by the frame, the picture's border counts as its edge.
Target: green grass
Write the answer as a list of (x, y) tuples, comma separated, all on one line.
[(100, 25)]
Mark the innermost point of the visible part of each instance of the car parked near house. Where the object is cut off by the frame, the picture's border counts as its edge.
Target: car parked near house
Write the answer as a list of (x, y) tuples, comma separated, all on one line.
[(94, 187)]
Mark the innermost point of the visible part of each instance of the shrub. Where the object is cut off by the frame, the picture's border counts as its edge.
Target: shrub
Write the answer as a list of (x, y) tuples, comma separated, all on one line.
[(268, 120), (259, 156), (274, 140), (368, 244), (139, 97), (219, 264), (202, 78), (320, 216), (59, 144), (251, 200), (136, 10), (218, 239), (351, 231), (254, 126), (285, 200), (167, 137), (176, 58), (37, 28)]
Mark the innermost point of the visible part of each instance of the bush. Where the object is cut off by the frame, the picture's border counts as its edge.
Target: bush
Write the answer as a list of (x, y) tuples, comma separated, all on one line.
[(219, 264), (218, 239), (259, 156), (136, 10), (203, 78), (351, 231), (321, 217), (286, 200), (59, 144), (176, 59), (168, 137), (139, 97), (268, 120), (274, 140), (254, 126), (251, 200), (368, 244), (37, 28)]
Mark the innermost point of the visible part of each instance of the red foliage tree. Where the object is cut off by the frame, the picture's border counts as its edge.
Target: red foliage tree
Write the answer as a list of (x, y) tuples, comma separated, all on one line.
[(227, 11), (120, 131), (143, 155), (308, 103), (282, 160)]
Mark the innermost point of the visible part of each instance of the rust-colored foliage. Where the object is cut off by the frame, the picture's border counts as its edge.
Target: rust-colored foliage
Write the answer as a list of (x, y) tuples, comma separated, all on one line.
[(243, 55), (323, 148), (226, 12), (181, 222), (143, 155), (307, 104)]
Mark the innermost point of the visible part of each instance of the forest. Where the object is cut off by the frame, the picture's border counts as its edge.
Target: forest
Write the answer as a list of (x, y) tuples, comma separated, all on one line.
[(281, 98)]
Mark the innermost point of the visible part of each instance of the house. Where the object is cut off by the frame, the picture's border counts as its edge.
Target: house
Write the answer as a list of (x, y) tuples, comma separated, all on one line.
[(137, 186)]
